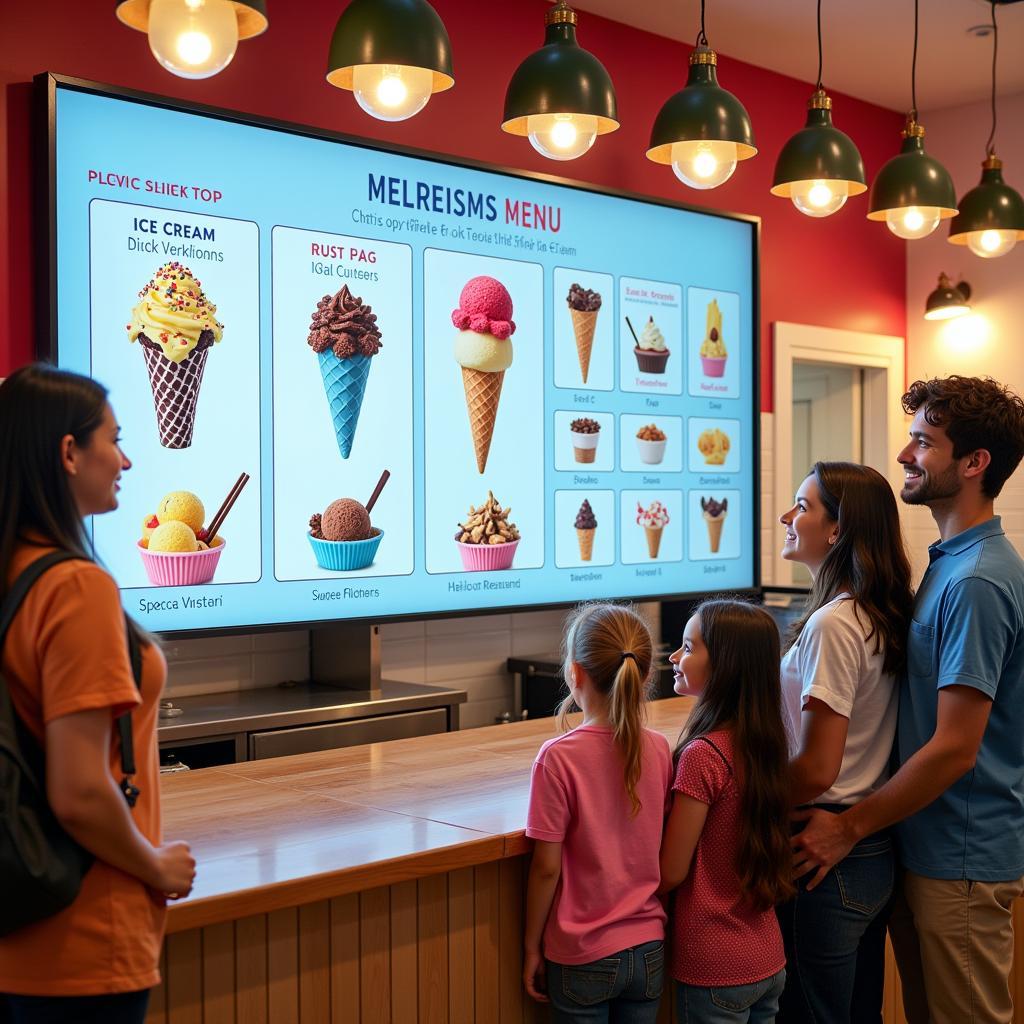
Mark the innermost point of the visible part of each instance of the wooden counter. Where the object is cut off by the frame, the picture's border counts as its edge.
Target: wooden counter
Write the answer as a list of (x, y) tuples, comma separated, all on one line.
[(375, 883)]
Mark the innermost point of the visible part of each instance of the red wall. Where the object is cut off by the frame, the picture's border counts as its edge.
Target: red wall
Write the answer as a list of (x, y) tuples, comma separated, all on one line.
[(841, 272)]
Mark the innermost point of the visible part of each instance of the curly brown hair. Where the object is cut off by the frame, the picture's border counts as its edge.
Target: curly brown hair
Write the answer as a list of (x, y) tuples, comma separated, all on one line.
[(975, 412)]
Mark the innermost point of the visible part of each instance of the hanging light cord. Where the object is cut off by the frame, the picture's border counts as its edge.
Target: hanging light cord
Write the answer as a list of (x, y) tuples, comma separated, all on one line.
[(818, 86), (913, 70), (702, 39), (989, 147)]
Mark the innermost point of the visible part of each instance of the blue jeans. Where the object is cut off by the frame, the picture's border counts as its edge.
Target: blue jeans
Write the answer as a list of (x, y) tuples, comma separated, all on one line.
[(835, 939), (123, 1008), (624, 988), (756, 1003)]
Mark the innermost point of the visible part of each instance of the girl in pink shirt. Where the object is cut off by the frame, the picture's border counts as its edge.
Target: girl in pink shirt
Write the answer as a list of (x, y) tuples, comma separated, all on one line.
[(595, 928), (726, 849)]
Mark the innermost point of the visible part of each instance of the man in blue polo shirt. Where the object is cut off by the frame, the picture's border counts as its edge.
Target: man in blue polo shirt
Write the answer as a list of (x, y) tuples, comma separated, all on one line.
[(958, 796)]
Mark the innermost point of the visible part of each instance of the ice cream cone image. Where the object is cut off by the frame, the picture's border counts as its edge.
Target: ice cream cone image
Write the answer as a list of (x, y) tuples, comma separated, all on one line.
[(175, 326), (714, 518), (586, 542), (344, 334), (583, 308), (483, 350), (653, 519), (483, 393), (653, 534), (586, 527)]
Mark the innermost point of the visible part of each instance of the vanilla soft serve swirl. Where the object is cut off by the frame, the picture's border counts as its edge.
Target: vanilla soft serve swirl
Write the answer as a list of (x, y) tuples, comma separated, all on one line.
[(173, 312)]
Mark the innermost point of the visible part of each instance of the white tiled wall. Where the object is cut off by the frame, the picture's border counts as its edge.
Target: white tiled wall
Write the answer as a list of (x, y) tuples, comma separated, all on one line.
[(468, 653)]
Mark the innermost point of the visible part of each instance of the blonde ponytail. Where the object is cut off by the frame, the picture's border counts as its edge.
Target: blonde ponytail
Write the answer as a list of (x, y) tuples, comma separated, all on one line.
[(613, 645)]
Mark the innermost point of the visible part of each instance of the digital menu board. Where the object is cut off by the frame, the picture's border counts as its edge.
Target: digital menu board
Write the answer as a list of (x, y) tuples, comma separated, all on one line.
[(556, 384)]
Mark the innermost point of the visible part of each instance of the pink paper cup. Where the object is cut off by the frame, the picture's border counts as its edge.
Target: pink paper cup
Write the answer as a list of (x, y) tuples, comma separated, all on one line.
[(487, 557), (713, 366), (180, 568)]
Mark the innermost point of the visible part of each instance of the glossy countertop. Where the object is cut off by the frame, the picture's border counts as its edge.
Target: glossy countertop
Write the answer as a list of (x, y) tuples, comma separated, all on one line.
[(290, 830)]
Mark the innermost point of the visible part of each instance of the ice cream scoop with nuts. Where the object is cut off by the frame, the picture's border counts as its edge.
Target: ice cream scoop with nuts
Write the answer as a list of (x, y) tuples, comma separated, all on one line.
[(488, 524)]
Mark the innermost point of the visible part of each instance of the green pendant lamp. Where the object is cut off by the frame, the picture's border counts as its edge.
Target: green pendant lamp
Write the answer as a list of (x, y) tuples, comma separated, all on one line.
[(991, 218), (948, 300), (703, 130), (913, 191), (194, 38), (561, 97), (392, 54), (820, 166)]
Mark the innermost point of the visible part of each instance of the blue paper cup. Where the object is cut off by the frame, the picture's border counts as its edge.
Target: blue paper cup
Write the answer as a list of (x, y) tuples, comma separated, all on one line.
[(345, 555)]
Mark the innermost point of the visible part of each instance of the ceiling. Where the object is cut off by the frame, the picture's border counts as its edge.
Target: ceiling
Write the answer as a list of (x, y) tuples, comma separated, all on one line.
[(867, 43)]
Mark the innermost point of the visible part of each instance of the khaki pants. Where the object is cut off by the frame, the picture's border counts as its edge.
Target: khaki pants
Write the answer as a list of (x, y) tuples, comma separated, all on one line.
[(953, 942)]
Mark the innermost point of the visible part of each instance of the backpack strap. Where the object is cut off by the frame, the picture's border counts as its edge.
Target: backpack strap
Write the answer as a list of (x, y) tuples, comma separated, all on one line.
[(716, 749), (13, 601)]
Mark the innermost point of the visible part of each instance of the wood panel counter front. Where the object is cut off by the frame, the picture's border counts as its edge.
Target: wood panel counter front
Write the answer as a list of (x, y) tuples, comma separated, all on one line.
[(375, 883)]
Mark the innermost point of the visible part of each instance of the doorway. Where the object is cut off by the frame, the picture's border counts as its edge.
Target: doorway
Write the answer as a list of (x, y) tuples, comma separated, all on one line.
[(837, 398)]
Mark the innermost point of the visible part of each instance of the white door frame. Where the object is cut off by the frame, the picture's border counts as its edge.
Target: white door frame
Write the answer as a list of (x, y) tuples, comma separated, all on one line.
[(883, 358)]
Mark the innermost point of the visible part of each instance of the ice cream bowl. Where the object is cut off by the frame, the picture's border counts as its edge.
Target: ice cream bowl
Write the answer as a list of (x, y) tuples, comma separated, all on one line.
[(486, 557), (584, 446), (650, 360), (345, 555), (651, 452), (713, 366), (180, 568)]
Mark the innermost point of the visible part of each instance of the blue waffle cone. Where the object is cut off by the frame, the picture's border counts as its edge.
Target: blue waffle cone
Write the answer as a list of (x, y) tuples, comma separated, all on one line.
[(345, 384)]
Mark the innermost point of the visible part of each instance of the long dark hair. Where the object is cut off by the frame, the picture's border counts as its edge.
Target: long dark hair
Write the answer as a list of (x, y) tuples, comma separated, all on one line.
[(613, 645), (868, 560), (743, 695), (39, 405)]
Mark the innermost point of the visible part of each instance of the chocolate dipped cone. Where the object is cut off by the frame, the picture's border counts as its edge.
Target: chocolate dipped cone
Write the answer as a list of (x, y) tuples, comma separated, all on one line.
[(584, 323), (483, 392)]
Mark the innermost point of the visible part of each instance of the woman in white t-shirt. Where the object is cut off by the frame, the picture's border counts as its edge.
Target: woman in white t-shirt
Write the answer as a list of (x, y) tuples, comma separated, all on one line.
[(839, 688)]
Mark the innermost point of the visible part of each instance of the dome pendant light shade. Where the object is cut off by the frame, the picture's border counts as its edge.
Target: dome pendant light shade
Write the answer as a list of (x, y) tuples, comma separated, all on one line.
[(194, 38), (913, 191), (561, 97), (948, 300), (991, 218), (819, 167), (392, 54), (703, 130)]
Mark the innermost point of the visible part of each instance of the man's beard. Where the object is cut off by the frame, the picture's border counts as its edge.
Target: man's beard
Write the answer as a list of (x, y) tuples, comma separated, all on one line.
[(933, 488)]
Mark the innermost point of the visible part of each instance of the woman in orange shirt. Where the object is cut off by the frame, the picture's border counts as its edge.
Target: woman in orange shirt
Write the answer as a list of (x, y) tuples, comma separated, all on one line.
[(67, 666)]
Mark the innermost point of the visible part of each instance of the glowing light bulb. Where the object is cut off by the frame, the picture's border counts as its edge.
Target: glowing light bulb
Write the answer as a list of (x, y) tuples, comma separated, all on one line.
[(392, 92), (704, 164), (820, 197), (193, 38), (912, 222), (561, 136), (991, 243)]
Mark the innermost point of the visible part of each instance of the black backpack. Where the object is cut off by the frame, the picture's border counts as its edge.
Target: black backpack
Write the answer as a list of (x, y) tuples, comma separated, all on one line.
[(41, 866)]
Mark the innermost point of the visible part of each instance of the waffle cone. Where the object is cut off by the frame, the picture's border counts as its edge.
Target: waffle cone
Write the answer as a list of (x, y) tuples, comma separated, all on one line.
[(175, 392), (345, 385), (483, 392), (714, 525), (653, 539), (583, 324), (586, 539)]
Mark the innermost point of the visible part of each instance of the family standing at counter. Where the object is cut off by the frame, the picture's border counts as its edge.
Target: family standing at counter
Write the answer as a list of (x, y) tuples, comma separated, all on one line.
[(765, 926)]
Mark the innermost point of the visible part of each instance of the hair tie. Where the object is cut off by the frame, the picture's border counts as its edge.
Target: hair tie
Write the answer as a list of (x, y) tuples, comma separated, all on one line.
[(627, 654)]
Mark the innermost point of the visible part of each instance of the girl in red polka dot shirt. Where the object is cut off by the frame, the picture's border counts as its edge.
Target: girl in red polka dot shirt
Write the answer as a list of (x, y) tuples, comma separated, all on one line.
[(726, 848)]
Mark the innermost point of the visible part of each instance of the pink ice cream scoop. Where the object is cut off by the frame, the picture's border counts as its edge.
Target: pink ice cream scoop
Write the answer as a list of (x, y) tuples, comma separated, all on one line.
[(485, 306), (345, 519)]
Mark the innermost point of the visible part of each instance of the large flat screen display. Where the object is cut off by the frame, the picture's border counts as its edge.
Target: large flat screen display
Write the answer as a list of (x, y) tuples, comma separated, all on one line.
[(560, 382)]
